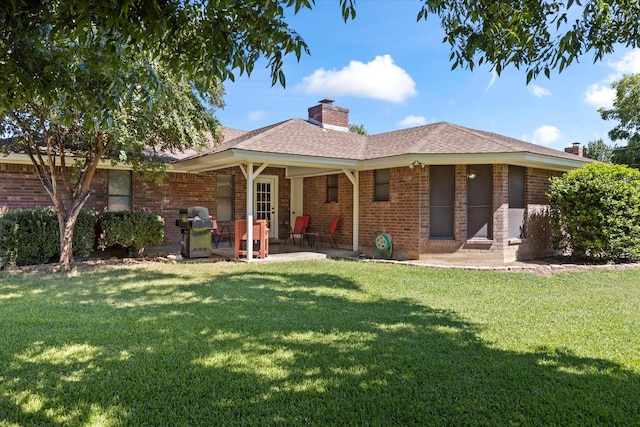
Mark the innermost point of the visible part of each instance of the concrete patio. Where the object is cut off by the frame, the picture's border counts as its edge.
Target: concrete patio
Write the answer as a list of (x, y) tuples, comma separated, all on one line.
[(279, 252)]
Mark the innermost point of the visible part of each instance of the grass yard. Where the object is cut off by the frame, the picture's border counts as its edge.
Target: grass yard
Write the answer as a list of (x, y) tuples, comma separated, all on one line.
[(318, 343)]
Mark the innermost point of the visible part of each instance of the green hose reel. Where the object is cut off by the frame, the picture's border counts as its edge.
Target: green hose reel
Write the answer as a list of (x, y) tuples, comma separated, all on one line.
[(384, 246)]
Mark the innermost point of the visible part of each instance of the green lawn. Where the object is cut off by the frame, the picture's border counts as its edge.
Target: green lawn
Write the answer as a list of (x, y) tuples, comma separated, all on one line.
[(318, 343)]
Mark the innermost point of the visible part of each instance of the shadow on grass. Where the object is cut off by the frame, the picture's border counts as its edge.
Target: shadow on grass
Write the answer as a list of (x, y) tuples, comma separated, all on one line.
[(260, 347)]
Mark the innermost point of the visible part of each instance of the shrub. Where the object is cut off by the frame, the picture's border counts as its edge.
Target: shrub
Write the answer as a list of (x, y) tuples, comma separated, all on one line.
[(130, 230), (84, 233), (29, 236), (32, 236), (596, 210)]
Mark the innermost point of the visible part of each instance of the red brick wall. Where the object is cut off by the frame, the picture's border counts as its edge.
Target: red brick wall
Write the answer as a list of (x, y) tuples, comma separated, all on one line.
[(405, 216), (399, 217), (537, 185), (20, 188), (500, 206), (322, 212)]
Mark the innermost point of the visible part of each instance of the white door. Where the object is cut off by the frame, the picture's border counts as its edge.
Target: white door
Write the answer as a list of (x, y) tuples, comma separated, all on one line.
[(265, 205)]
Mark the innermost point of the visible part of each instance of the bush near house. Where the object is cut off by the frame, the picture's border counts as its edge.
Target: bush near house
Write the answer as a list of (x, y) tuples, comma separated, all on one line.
[(130, 230), (596, 211), (32, 236)]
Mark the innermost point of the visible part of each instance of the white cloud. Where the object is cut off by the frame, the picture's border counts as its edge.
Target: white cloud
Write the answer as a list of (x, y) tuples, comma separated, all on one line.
[(256, 115), (412, 121), (601, 94), (539, 91), (378, 79), (629, 64), (544, 135)]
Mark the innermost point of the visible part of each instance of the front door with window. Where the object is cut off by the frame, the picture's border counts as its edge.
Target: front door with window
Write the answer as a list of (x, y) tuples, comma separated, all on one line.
[(265, 205)]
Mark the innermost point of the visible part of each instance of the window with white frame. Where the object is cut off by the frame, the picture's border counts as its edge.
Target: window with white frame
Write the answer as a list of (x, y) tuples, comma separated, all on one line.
[(119, 198)]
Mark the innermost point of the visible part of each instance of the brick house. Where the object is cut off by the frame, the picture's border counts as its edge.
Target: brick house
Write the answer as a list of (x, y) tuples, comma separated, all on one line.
[(437, 190)]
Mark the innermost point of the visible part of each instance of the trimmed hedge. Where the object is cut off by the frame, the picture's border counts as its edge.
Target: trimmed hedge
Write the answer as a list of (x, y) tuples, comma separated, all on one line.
[(32, 236), (596, 211), (130, 230)]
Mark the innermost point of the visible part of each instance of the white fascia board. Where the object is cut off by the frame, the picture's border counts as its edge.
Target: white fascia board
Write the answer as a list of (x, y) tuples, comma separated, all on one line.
[(233, 157), (306, 172), (518, 159), (24, 159), (206, 162), (16, 159), (295, 159)]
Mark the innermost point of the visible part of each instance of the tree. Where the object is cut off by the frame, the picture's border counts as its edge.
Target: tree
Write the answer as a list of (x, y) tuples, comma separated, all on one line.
[(540, 35), (626, 110), (598, 150), (220, 38), (86, 81), (110, 101), (597, 210), (359, 129)]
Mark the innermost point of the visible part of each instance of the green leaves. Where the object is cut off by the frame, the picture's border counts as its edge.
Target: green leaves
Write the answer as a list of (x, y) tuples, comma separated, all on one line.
[(532, 34), (131, 230), (626, 110), (597, 208)]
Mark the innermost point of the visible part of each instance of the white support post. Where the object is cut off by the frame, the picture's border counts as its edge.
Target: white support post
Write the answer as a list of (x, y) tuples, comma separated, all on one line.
[(243, 169), (354, 178), (250, 177)]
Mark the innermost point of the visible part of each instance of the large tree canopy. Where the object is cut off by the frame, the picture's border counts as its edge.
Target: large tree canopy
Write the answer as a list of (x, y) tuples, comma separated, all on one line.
[(538, 35), (217, 39), (209, 41)]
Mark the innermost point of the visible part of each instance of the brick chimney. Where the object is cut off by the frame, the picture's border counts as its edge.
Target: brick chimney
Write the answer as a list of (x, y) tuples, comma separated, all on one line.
[(576, 149), (329, 116)]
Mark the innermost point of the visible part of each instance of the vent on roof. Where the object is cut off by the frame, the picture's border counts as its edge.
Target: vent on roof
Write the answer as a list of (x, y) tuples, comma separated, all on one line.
[(329, 116)]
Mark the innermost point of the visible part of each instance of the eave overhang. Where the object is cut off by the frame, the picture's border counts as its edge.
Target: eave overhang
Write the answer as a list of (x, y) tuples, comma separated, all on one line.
[(235, 157)]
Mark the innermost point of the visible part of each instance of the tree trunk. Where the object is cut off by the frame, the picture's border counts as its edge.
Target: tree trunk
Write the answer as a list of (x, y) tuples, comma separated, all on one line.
[(66, 222)]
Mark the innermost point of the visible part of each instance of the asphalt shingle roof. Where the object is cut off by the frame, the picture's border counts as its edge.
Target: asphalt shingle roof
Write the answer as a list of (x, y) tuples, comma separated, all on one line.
[(300, 137)]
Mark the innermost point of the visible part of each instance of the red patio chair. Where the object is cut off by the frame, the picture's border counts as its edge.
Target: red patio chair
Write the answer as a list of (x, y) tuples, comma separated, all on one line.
[(299, 229), (328, 234), (219, 233)]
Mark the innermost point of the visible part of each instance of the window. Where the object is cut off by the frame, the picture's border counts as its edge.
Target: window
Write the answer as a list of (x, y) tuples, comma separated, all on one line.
[(442, 195), (332, 188), (119, 198), (381, 185), (516, 202), (224, 201), (479, 201)]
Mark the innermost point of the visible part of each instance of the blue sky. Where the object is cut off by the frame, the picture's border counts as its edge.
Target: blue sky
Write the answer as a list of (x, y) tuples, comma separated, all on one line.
[(392, 72)]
